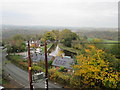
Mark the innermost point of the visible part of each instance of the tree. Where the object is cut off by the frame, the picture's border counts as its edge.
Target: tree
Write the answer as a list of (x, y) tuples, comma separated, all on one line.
[(113, 61), (17, 37), (92, 70), (66, 37), (9, 49), (115, 50), (55, 34), (16, 44), (49, 36)]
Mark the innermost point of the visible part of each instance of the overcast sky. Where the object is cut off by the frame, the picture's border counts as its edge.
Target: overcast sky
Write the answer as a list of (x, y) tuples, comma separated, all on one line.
[(73, 13)]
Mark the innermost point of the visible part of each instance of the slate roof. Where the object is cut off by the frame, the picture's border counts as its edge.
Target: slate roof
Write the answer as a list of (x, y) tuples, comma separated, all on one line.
[(65, 62), (37, 57), (58, 61)]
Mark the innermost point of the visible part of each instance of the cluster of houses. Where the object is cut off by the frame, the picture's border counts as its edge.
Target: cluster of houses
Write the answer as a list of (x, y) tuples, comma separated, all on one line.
[(57, 61), (58, 57), (35, 43)]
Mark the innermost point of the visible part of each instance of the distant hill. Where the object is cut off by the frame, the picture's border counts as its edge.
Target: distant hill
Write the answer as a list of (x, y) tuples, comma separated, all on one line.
[(105, 33), (108, 34)]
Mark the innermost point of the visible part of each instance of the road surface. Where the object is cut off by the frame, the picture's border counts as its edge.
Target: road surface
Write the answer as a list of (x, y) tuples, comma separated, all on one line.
[(21, 76)]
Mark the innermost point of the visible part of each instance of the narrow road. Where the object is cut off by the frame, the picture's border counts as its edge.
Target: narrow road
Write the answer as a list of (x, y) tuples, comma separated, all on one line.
[(21, 76)]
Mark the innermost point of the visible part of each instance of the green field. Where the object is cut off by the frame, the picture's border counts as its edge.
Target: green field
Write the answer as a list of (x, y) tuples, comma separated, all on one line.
[(105, 40), (106, 44)]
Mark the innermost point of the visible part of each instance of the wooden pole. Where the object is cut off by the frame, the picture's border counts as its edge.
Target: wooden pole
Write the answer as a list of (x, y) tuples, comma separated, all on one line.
[(29, 68), (46, 67)]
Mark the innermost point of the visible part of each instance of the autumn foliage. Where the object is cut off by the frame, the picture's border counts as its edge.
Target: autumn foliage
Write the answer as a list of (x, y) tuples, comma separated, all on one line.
[(92, 71)]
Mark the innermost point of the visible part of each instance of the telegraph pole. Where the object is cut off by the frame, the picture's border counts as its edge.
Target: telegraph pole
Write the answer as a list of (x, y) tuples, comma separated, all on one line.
[(29, 68), (46, 67)]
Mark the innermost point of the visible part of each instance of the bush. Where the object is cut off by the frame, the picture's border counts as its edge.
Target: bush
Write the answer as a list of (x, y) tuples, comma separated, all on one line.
[(59, 77), (36, 68), (50, 63), (61, 68), (18, 61)]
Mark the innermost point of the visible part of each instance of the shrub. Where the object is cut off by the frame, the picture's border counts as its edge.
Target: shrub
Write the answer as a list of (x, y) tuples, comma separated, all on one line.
[(50, 63), (61, 68)]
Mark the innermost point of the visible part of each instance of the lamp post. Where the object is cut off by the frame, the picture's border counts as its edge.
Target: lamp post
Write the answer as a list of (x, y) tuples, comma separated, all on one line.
[(46, 67)]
